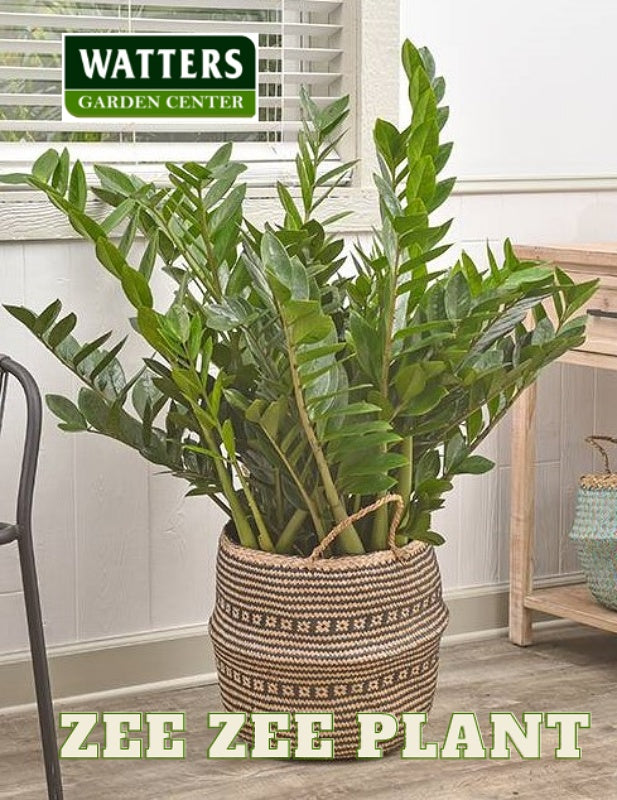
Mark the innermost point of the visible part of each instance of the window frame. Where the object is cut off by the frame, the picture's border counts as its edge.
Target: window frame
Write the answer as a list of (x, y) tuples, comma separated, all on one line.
[(371, 76)]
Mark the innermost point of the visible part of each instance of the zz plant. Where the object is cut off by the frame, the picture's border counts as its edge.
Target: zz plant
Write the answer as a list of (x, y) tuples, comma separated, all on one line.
[(287, 389)]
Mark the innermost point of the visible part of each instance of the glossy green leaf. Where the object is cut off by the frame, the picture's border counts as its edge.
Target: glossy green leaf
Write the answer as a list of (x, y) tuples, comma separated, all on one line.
[(45, 165), (66, 411), (61, 330)]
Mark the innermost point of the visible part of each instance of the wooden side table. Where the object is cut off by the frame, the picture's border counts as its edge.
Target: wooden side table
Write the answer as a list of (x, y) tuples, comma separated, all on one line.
[(572, 602)]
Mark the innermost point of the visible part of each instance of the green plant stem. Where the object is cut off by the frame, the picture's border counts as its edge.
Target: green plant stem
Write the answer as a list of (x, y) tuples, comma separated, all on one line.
[(349, 539), (405, 476), (243, 526), (288, 536), (265, 540), (311, 506), (379, 532), (205, 235)]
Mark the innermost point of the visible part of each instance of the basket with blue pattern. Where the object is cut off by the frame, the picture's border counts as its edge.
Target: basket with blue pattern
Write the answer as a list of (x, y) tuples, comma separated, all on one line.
[(594, 531)]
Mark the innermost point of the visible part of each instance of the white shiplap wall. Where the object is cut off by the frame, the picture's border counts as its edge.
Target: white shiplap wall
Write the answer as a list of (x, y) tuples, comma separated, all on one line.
[(119, 550)]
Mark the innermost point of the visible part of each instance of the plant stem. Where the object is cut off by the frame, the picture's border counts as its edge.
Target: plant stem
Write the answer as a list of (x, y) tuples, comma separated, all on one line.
[(265, 540), (205, 235), (379, 533), (243, 526), (349, 539), (405, 476), (288, 536), (311, 506)]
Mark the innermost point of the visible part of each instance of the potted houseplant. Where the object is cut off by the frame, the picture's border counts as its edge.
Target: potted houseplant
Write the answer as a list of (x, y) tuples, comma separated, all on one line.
[(326, 413)]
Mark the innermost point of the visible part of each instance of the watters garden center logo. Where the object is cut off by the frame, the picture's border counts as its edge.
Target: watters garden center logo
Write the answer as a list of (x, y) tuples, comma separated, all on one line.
[(159, 77)]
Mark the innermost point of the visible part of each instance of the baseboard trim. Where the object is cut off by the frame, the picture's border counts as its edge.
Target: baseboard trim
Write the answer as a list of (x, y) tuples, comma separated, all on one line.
[(182, 657)]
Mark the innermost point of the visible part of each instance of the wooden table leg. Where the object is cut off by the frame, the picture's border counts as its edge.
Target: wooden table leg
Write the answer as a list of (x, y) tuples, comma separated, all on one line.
[(522, 515)]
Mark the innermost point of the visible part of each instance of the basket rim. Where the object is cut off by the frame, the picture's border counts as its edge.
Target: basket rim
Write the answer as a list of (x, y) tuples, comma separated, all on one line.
[(377, 557), (607, 480)]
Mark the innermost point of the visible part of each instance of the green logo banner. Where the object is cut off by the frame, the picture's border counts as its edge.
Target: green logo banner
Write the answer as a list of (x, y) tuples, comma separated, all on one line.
[(159, 77)]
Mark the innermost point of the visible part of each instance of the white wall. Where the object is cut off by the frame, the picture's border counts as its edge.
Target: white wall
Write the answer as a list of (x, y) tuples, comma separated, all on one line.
[(528, 84), (120, 552), (118, 549)]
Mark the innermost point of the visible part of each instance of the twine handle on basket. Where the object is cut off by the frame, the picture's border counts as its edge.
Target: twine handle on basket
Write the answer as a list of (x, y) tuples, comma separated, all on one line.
[(593, 441), (388, 498)]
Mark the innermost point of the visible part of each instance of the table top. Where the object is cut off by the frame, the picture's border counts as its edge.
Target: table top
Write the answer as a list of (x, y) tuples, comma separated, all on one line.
[(597, 254)]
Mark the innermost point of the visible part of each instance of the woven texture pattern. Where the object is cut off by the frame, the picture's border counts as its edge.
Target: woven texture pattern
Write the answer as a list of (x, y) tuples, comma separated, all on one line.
[(341, 635), (595, 535)]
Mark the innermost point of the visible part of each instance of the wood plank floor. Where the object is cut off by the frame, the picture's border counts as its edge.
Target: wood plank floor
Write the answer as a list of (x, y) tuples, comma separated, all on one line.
[(564, 671)]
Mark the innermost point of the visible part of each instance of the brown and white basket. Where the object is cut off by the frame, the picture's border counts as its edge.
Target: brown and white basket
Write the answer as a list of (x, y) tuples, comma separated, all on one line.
[(343, 635)]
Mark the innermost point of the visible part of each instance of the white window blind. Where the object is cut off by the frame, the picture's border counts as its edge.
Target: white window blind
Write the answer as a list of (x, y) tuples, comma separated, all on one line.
[(299, 44)]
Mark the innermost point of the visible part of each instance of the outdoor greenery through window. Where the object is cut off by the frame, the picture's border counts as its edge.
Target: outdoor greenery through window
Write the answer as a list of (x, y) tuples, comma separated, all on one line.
[(299, 44)]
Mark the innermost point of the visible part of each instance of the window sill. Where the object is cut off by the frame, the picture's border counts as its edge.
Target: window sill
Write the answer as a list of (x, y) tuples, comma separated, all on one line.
[(29, 216)]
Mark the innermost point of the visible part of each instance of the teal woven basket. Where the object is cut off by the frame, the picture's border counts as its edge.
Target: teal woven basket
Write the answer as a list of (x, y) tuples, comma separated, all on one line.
[(595, 529)]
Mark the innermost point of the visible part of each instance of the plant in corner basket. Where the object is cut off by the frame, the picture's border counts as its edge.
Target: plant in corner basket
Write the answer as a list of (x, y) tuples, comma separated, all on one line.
[(299, 398)]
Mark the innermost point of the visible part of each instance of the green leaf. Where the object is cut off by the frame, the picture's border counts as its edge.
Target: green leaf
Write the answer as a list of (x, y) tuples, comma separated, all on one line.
[(431, 537), (129, 235), (366, 484), (288, 204), (61, 330), (410, 382), (107, 360), (443, 190), (309, 325), (475, 424), (179, 322), (288, 273), (424, 141), (457, 296), (78, 188), (89, 348), (367, 346), (426, 401), (579, 295), (114, 179), (455, 448), (146, 265), (24, 315), (45, 165), (110, 257), (136, 288), (145, 394), (228, 437), (273, 416), (94, 409), (15, 178), (421, 181), (427, 468), (234, 312), (388, 141), (226, 213), (475, 465), (148, 322), (67, 411), (60, 178), (46, 318), (118, 215), (195, 337)]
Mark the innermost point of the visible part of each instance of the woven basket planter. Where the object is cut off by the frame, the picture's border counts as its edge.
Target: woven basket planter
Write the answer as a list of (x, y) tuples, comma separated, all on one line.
[(594, 531), (341, 635)]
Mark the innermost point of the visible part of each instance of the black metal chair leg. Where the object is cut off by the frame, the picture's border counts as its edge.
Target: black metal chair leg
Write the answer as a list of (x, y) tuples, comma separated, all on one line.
[(22, 532)]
